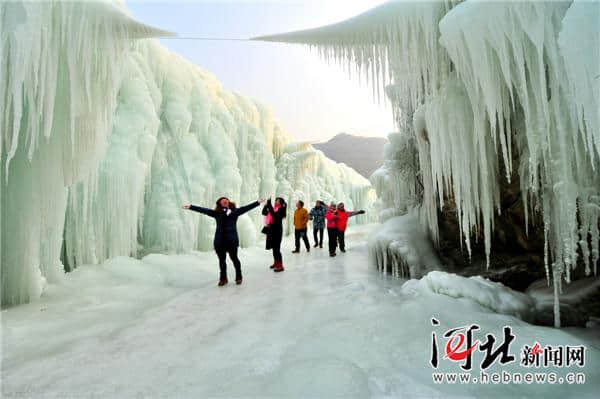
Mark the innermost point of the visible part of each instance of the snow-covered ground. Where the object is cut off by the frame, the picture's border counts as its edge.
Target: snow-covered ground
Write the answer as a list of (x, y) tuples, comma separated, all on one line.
[(326, 327)]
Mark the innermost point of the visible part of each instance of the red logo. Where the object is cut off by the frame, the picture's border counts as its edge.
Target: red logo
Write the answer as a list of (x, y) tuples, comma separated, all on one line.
[(453, 353)]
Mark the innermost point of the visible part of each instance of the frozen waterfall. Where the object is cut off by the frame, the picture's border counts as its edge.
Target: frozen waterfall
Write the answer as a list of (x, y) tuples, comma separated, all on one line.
[(105, 136)]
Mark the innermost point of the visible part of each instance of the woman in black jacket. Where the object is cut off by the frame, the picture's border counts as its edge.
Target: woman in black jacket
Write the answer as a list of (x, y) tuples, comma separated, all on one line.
[(274, 216), (226, 237)]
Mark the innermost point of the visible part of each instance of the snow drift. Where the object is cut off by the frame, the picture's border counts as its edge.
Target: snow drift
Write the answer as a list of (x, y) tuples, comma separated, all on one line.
[(478, 84), (487, 294), (105, 136)]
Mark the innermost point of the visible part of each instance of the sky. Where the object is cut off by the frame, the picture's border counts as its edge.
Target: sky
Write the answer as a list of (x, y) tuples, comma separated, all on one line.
[(313, 100)]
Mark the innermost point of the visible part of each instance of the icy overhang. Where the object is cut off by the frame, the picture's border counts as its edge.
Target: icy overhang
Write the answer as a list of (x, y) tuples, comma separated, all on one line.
[(355, 30), (132, 28), (114, 14)]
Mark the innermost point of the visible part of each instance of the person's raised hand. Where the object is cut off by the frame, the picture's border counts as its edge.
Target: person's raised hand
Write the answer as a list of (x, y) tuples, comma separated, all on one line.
[(186, 206)]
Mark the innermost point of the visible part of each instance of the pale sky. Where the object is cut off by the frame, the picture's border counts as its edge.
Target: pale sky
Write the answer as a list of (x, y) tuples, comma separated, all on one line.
[(313, 100)]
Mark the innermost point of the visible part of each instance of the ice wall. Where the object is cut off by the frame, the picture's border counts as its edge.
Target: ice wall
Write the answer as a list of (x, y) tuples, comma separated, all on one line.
[(60, 67), (105, 137), (486, 83), (306, 174), (179, 137)]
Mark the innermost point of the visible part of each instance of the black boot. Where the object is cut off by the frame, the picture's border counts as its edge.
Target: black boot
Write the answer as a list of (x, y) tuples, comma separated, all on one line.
[(238, 276), (223, 276)]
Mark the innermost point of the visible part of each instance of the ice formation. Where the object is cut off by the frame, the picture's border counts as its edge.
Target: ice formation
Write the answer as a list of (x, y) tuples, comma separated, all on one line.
[(60, 65), (490, 87), (486, 293), (401, 246), (106, 136)]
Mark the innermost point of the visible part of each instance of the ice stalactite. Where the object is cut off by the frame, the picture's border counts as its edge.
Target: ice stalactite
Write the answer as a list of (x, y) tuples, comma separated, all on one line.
[(490, 84), (60, 69), (520, 68), (396, 39), (446, 127)]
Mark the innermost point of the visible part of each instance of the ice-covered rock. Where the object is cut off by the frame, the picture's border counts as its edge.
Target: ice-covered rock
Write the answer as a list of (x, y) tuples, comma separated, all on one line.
[(401, 246), (488, 294), (579, 301)]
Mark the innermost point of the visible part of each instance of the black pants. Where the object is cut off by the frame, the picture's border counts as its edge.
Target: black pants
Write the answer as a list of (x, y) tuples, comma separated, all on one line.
[(341, 242), (277, 252), (277, 257), (301, 234), (332, 235), (222, 254), (318, 241)]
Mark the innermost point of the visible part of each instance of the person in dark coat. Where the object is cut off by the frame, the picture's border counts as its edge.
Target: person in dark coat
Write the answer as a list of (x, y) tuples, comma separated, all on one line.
[(226, 237), (274, 215), (317, 215)]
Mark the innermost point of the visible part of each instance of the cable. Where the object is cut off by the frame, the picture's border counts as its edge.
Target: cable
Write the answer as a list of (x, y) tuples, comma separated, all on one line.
[(205, 38)]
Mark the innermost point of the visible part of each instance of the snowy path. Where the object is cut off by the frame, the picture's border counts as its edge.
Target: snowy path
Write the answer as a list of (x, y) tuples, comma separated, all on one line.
[(324, 328)]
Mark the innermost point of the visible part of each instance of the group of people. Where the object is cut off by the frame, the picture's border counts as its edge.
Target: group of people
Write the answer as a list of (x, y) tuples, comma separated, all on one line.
[(335, 217), (226, 240)]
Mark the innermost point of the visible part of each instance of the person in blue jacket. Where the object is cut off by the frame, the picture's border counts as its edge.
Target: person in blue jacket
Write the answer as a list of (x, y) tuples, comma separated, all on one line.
[(317, 215), (226, 237)]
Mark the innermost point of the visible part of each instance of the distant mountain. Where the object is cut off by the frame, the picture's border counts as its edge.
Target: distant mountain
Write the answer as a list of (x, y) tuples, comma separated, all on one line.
[(363, 154)]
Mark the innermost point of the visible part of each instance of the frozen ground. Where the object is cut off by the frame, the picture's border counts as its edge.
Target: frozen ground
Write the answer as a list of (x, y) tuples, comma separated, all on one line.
[(325, 327)]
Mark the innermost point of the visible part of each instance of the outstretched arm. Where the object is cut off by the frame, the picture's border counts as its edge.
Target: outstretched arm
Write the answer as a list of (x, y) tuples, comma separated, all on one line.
[(270, 207), (206, 211), (280, 214), (240, 211), (354, 213)]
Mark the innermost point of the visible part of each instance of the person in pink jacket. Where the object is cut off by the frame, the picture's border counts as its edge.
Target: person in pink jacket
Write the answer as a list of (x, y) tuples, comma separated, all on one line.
[(342, 223), (331, 217)]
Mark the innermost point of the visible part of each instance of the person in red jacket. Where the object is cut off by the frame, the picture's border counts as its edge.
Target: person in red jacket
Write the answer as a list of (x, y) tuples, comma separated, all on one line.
[(342, 223), (331, 217)]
